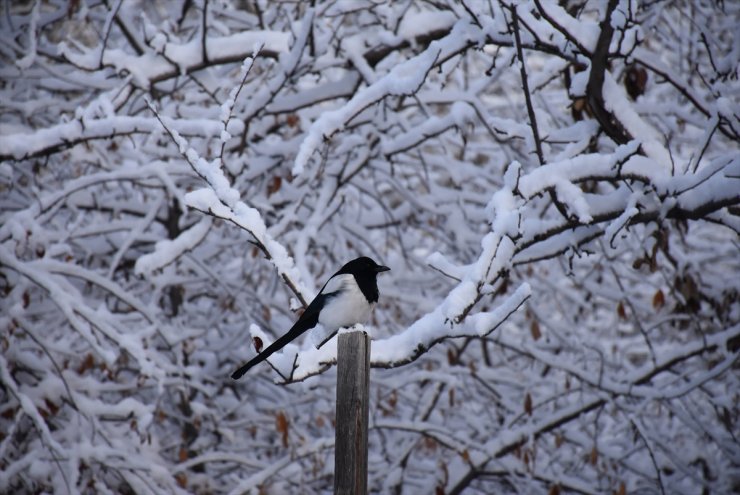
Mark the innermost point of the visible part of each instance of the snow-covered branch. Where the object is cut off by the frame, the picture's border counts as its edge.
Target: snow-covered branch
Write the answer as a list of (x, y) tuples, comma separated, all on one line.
[(554, 184)]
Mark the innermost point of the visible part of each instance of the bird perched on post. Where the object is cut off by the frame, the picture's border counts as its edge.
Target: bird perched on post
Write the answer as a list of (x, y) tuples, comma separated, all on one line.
[(346, 299)]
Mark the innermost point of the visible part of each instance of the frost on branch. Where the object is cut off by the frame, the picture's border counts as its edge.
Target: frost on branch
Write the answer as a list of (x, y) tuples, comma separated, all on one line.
[(555, 185)]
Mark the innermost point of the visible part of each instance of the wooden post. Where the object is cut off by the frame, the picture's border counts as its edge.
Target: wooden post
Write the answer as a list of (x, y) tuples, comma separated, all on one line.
[(353, 383)]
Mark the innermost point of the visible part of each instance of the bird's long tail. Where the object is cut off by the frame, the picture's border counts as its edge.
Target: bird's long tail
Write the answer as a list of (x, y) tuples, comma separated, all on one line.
[(294, 332)]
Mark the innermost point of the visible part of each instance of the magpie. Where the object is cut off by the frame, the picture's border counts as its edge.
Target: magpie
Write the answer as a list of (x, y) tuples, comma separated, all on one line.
[(346, 299)]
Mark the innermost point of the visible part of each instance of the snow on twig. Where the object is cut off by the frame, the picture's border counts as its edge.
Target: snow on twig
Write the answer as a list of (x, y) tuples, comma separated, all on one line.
[(222, 200)]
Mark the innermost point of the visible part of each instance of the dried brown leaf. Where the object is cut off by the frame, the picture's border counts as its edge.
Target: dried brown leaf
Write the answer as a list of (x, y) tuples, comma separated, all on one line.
[(534, 328), (274, 186), (282, 426), (658, 299), (257, 343), (621, 311), (182, 480)]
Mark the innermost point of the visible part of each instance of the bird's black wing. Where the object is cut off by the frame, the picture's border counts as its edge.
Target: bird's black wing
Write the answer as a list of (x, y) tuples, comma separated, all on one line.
[(308, 320)]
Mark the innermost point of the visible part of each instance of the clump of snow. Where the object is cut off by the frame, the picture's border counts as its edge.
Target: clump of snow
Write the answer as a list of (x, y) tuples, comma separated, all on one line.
[(459, 299), (416, 23), (166, 251), (205, 199), (616, 101), (485, 322), (573, 197)]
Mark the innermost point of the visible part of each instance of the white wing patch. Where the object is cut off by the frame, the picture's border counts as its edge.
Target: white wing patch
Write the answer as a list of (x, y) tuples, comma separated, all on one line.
[(337, 282)]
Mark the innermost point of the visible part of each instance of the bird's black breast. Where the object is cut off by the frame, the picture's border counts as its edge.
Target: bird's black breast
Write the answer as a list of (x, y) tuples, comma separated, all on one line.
[(368, 284)]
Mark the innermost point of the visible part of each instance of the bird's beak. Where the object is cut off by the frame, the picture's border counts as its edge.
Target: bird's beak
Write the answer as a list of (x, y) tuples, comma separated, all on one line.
[(381, 268)]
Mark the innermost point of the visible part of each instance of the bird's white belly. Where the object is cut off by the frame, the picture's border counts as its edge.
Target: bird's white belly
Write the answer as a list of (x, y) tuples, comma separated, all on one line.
[(346, 309)]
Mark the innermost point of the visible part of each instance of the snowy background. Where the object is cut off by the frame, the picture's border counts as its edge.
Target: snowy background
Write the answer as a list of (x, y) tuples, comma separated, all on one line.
[(555, 185)]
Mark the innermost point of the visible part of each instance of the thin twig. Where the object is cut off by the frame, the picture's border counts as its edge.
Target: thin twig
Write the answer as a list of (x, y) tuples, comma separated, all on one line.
[(530, 107), (204, 32), (642, 435), (525, 85)]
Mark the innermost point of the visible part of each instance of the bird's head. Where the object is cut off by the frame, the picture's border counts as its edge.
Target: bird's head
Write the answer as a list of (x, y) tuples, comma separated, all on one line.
[(363, 266)]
